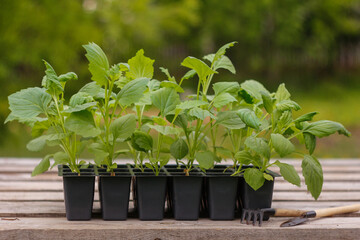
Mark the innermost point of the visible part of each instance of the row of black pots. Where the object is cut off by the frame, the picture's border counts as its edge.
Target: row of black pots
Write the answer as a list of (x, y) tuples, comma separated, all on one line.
[(214, 194)]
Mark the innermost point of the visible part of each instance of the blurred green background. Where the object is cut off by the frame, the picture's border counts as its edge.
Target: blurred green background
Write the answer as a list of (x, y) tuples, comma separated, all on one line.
[(311, 45)]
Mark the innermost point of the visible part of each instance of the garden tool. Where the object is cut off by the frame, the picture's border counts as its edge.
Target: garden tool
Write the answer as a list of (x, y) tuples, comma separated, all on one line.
[(326, 212)]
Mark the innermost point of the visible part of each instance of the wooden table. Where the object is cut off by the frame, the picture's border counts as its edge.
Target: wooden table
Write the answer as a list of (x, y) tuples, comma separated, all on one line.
[(33, 208)]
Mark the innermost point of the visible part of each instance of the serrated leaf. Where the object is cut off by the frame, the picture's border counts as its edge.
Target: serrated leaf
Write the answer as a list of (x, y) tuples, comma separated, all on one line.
[(284, 120), (249, 118), (254, 177), (98, 63), (141, 141), (81, 107), (93, 89), (191, 104), (230, 87), (200, 113), (166, 130), (289, 173), (258, 145), (51, 81), (166, 72), (173, 85), (201, 68), (325, 128), (313, 174), (230, 120), (179, 149), (222, 51), (223, 99), (310, 142), (27, 104), (63, 78), (287, 105), (38, 143), (306, 117), (224, 62), (123, 127), (282, 93), (42, 166), (132, 91), (243, 157), (267, 101), (165, 99), (254, 88), (205, 159), (82, 123), (141, 66), (282, 145)]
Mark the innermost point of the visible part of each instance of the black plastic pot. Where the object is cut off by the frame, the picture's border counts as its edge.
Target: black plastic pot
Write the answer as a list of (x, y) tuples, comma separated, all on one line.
[(221, 194), (114, 191), (78, 192), (149, 195), (261, 198), (186, 195)]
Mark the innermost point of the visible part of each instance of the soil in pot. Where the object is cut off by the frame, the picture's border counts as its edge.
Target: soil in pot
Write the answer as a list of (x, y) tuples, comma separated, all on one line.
[(149, 195), (114, 191), (251, 199), (186, 195), (78, 193), (221, 195)]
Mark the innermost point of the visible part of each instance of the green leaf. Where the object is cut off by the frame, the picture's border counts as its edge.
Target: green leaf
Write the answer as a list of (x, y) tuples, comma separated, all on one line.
[(267, 101), (268, 177), (141, 66), (205, 159), (282, 93), (39, 128), (199, 66), (223, 99), (282, 145), (189, 74), (254, 177), (313, 174), (222, 51), (230, 87), (310, 142), (166, 72), (306, 117), (166, 130), (39, 143), (174, 85), (258, 145), (81, 107), (179, 149), (230, 120), (63, 78), (200, 113), (123, 127), (42, 166), (243, 157), (141, 141), (191, 104), (165, 99), (254, 88), (180, 121), (100, 152), (51, 81), (325, 128), (285, 120), (82, 123), (27, 104), (287, 105), (224, 62), (61, 158), (93, 89), (249, 118), (289, 173), (98, 63), (132, 91)]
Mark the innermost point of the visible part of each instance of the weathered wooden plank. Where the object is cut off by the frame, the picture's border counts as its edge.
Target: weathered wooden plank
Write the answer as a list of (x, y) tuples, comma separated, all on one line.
[(327, 186), (55, 228)]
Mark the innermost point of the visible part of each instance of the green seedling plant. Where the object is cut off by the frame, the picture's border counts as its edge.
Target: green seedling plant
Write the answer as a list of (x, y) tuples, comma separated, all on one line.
[(196, 117), (270, 130), (53, 123), (115, 90)]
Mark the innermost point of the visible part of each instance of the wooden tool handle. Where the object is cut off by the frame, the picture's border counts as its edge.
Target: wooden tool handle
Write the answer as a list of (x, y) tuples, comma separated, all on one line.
[(336, 210), (281, 212)]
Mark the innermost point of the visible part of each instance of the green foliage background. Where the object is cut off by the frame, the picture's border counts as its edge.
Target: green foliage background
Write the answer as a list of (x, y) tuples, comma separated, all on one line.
[(312, 45)]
